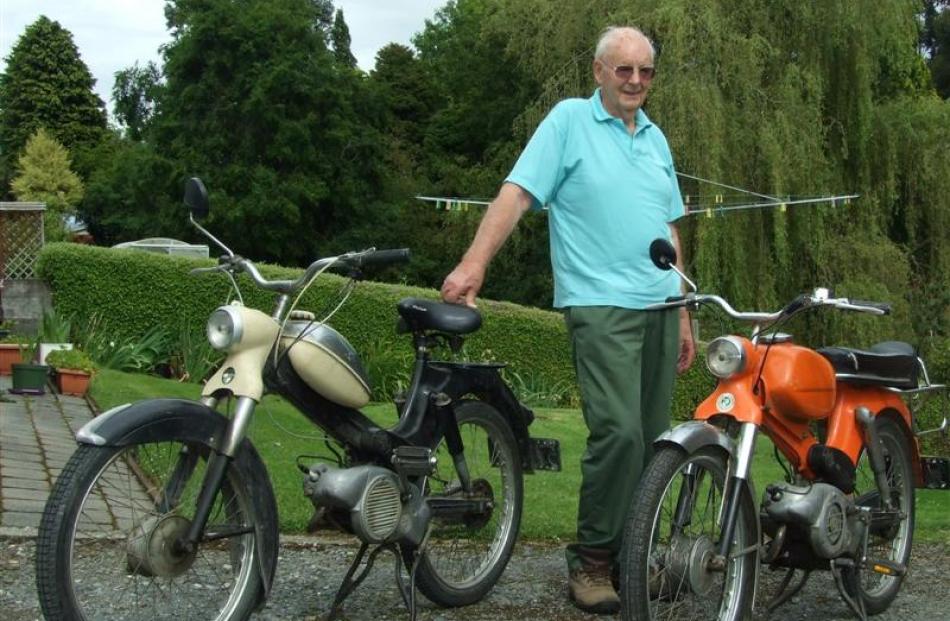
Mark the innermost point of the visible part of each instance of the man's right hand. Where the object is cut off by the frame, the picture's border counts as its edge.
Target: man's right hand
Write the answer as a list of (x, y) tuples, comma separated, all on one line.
[(464, 283)]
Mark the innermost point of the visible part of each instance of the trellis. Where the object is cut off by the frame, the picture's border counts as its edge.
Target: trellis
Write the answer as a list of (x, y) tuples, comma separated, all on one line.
[(21, 239)]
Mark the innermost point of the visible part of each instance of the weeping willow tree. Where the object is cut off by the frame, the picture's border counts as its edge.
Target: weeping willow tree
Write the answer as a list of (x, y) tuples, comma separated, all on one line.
[(786, 99)]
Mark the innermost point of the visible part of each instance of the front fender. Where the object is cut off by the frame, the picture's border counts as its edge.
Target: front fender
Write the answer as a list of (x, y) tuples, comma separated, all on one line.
[(694, 435), (157, 420)]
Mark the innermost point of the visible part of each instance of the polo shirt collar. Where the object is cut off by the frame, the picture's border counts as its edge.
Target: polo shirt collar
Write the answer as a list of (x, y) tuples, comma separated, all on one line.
[(601, 114)]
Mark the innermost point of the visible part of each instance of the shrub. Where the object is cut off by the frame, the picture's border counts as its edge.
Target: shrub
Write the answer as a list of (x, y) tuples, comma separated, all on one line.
[(123, 294), (130, 291), (71, 359)]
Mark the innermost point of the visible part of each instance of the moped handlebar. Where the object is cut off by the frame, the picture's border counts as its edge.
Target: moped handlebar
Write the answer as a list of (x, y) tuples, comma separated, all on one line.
[(353, 260), (817, 298)]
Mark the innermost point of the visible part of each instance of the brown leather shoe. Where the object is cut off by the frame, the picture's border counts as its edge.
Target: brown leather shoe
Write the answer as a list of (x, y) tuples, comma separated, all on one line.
[(592, 590)]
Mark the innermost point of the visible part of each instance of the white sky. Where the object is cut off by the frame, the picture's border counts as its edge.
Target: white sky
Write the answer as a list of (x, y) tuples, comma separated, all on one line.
[(113, 34)]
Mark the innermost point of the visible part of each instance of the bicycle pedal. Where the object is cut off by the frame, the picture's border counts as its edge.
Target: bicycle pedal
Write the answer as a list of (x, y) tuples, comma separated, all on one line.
[(886, 567), (413, 461)]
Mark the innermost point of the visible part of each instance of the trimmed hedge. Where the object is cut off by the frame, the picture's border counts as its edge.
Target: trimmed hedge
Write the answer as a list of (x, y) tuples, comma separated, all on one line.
[(131, 291)]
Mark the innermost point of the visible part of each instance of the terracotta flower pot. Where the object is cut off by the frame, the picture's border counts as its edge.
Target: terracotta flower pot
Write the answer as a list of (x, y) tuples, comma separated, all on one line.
[(72, 382), (10, 354)]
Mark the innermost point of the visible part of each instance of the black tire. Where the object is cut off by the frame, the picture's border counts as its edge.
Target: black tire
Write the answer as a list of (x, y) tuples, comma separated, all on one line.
[(656, 564), (461, 562), (105, 511), (878, 590)]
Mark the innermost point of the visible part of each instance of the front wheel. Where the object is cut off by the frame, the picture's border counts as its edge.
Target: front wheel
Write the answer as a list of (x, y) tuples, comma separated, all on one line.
[(671, 534), (466, 554), (108, 539)]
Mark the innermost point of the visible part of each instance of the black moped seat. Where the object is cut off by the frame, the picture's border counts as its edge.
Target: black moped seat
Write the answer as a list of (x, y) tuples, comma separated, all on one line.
[(420, 315), (891, 363)]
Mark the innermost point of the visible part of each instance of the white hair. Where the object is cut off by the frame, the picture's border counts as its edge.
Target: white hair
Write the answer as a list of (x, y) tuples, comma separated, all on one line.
[(612, 33)]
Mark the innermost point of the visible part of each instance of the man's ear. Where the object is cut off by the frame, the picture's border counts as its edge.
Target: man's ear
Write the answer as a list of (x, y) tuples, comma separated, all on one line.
[(598, 68)]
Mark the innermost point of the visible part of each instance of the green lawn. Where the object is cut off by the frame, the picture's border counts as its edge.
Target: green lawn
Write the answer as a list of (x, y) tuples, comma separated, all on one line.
[(281, 434)]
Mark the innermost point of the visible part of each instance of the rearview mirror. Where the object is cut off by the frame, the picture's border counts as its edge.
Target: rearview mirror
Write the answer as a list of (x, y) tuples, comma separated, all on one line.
[(196, 198), (663, 254)]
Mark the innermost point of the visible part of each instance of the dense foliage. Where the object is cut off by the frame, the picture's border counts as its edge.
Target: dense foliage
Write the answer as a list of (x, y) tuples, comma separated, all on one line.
[(305, 154), (47, 85)]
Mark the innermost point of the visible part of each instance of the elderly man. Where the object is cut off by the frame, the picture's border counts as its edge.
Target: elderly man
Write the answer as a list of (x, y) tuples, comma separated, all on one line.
[(606, 173)]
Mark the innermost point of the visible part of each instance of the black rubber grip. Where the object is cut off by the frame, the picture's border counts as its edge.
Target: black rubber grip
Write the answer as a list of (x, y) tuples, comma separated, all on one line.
[(381, 257), (884, 306), (675, 298)]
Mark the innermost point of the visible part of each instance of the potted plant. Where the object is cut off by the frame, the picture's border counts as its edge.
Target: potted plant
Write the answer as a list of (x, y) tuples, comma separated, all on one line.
[(74, 370), (12, 348), (28, 377), (54, 333)]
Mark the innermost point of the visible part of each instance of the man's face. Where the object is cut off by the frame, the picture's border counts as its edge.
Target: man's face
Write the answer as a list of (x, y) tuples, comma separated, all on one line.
[(624, 74)]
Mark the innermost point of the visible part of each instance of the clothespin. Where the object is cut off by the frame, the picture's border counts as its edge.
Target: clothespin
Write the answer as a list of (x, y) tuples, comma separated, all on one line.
[(708, 212), (782, 207)]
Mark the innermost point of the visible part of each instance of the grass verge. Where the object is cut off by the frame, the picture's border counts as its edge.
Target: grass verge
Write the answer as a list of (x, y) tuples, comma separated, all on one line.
[(281, 434)]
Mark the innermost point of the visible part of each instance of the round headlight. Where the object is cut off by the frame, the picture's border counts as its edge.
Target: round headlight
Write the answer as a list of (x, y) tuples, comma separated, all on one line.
[(725, 357), (224, 328)]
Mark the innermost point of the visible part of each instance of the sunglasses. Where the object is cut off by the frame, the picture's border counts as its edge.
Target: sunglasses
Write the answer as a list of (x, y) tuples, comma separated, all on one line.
[(625, 72)]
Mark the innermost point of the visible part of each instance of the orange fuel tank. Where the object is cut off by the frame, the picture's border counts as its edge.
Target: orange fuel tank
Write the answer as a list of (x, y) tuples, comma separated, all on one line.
[(799, 382)]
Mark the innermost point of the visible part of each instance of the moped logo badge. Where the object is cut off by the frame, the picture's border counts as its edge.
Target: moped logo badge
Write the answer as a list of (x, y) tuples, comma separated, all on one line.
[(725, 402), (227, 376)]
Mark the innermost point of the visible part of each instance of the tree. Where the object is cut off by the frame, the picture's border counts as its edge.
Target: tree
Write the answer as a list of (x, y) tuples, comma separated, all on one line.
[(134, 95), (340, 40), (940, 52), (47, 85), (44, 175), (253, 103)]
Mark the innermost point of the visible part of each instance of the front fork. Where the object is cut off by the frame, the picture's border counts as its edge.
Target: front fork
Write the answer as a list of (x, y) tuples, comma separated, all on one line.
[(218, 461), (732, 495)]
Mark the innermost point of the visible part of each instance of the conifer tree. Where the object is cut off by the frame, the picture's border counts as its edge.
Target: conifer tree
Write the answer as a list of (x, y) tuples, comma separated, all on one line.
[(44, 175), (340, 40), (46, 84)]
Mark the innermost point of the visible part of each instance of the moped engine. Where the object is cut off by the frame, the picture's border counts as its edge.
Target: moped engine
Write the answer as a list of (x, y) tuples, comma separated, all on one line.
[(819, 513), (378, 505)]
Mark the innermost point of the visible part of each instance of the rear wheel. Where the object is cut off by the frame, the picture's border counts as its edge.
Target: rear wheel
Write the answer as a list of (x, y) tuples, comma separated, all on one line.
[(671, 534), (893, 542), (466, 554), (107, 545)]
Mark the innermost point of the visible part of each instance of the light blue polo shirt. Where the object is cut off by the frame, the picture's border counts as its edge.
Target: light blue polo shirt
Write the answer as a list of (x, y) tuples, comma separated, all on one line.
[(610, 194)]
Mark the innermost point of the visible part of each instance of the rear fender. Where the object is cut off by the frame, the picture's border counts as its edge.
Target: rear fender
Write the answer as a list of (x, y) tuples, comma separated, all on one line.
[(485, 382), (190, 421)]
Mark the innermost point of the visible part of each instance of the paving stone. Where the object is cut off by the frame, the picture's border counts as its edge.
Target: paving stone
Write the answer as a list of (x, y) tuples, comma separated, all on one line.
[(27, 483), (16, 504), (24, 472), (19, 519), (25, 494)]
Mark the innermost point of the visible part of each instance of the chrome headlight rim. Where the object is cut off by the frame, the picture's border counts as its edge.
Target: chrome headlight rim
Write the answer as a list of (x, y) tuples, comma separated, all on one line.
[(725, 357), (225, 328)]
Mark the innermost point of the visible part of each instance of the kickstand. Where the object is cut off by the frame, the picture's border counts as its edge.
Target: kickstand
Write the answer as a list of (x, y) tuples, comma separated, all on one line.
[(409, 592), (784, 595), (856, 603), (349, 583)]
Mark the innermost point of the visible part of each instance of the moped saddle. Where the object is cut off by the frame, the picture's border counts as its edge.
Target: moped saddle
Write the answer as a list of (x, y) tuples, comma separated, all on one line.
[(420, 315), (891, 363)]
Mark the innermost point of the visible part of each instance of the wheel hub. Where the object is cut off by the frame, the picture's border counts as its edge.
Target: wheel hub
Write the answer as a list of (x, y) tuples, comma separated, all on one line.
[(689, 564), (152, 548), (481, 489)]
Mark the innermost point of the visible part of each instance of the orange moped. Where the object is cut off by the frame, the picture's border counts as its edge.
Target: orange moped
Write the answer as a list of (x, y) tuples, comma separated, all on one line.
[(697, 532)]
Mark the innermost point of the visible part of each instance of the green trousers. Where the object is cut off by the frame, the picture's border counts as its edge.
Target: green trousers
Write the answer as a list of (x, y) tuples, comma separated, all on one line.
[(626, 365)]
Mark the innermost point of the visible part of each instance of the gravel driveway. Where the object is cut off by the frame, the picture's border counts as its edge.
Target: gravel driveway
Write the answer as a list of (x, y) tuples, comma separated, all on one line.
[(533, 588)]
